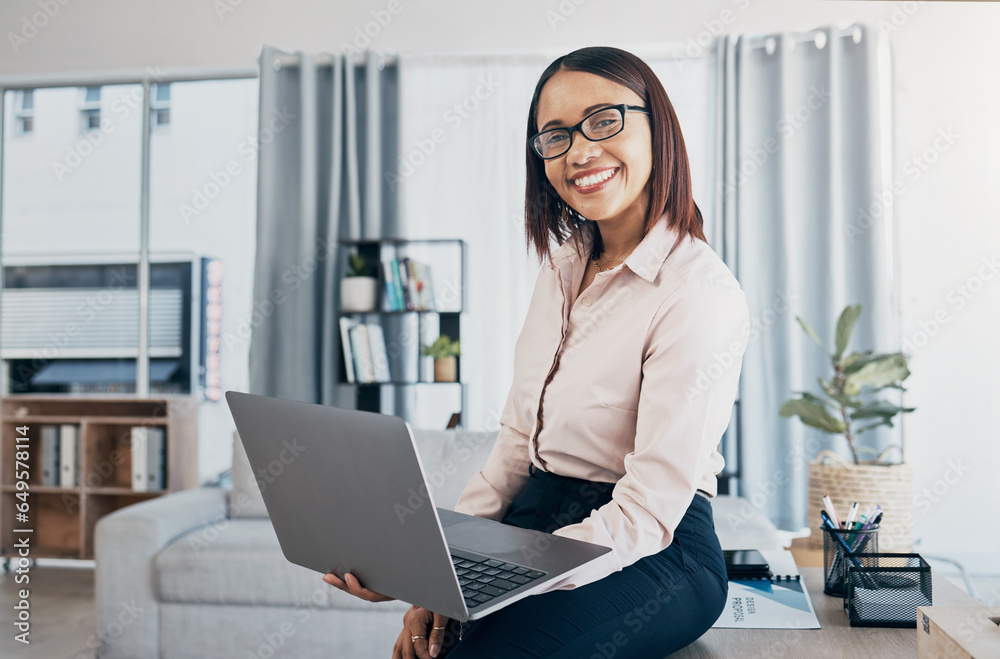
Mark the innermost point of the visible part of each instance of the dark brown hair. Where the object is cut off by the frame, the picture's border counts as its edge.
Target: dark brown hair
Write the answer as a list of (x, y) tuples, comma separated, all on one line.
[(670, 180)]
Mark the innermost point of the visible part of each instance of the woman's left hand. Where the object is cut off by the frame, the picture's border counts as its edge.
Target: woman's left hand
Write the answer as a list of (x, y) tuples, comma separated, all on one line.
[(430, 629)]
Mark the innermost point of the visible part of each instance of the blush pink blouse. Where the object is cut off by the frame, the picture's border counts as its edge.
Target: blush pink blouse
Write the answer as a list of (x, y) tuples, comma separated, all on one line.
[(646, 364)]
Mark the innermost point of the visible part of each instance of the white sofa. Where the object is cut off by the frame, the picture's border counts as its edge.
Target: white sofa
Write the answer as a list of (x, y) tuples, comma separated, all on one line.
[(199, 573)]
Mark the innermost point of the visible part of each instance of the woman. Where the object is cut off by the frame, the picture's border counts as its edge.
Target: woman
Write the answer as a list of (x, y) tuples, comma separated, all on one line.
[(625, 375)]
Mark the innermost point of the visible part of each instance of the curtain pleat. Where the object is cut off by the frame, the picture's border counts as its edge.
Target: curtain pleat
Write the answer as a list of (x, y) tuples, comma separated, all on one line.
[(310, 165), (804, 159)]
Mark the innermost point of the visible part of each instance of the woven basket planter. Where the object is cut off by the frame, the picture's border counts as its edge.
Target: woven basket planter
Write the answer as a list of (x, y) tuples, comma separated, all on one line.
[(869, 483)]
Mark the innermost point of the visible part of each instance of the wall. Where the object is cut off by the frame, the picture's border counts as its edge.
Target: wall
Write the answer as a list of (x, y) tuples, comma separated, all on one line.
[(946, 60)]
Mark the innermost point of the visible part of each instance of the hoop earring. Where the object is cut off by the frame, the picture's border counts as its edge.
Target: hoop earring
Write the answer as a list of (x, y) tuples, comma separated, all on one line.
[(565, 214)]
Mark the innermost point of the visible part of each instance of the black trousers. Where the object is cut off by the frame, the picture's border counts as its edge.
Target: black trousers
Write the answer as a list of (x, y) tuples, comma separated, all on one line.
[(649, 609)]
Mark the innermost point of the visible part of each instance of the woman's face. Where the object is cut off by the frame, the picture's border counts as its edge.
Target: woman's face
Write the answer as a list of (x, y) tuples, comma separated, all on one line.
[(567, 98)]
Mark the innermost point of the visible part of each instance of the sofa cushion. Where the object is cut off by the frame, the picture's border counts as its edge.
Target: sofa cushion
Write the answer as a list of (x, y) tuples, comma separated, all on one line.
[(239, 561)]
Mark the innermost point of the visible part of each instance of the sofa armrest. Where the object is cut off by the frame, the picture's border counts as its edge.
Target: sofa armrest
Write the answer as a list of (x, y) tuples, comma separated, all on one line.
[(125, 544)]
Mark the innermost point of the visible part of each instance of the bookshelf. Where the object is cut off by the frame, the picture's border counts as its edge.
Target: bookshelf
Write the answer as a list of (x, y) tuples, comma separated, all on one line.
[(63, 517), (447, 260)]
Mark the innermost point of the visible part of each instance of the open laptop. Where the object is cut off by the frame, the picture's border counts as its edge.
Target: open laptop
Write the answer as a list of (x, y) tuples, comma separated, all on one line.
[(346, 492)]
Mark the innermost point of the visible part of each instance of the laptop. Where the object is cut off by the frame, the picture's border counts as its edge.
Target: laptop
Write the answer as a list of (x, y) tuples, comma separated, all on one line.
[(346, 492)]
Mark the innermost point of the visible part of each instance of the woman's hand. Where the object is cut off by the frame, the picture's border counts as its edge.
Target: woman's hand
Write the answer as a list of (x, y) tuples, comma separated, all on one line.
[(430, 627), (350, 585)]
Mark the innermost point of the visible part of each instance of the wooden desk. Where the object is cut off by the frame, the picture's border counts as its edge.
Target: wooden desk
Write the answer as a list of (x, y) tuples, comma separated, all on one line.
[(836, 638)]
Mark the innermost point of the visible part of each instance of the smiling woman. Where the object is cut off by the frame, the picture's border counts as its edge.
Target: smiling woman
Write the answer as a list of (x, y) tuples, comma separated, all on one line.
[(627, 313)]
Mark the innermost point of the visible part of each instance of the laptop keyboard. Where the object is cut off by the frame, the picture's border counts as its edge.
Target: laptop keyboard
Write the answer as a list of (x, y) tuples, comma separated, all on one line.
[(481, 581)]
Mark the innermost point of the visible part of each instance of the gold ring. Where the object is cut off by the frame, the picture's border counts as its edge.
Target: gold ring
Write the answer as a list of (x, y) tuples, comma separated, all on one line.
[(438, 627), (413, 639)]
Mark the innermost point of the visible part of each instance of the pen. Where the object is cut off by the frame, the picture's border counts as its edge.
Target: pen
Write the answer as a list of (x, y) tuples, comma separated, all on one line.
[(828, 502), (863, 540), (877, 513), (851, 514)]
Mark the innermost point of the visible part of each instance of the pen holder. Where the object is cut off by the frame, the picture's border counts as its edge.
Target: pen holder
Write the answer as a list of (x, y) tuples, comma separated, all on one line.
[(837, 544), (884, 590)]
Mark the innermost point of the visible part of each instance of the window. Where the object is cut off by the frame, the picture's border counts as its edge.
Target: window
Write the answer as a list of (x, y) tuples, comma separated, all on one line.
[(90, 109), (24, 112), (159, 105), (70, 294)]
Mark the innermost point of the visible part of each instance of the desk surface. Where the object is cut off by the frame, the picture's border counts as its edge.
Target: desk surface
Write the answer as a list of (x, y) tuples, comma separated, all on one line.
[(836, 638)]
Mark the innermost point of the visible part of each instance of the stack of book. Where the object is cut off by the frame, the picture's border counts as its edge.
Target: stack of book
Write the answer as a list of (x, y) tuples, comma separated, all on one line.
[(365, 356), (408, 285)]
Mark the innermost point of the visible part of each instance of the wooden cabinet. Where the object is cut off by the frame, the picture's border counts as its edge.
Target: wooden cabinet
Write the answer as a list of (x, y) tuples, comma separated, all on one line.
[(63, 517)]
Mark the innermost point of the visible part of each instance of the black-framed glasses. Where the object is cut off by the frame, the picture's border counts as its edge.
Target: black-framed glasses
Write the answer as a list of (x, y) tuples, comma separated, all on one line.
[(596, 126)]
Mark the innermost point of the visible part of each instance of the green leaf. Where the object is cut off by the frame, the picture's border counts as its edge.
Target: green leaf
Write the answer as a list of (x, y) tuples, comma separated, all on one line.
[(879, 408), (812, 334), (845, 325), (878, 373), (817, 399), (856, 360), (812, 414)]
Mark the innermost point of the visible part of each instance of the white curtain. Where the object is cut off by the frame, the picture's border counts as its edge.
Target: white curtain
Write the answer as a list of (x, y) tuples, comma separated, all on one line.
[(805, 192), (461, 175)]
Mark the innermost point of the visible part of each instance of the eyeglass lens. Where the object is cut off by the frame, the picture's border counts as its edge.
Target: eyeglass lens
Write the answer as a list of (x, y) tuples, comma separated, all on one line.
[(599, 126)]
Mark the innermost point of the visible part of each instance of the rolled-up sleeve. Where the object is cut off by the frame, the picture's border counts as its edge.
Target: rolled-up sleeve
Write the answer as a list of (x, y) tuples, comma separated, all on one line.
[(690, 373)]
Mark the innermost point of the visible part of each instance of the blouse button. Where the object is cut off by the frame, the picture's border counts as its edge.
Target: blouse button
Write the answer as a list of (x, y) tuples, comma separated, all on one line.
[(587, 301)]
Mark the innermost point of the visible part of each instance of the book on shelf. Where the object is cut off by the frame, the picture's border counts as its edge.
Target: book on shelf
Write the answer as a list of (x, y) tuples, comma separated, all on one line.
[(365, 356), (148, 458), (345, 340), (408, 285), (389, 272), (364, 365), (50, 455), (428, 288), (69, 444), (380, 358)]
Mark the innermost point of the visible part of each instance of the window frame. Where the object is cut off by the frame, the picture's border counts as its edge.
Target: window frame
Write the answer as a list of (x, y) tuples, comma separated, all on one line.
[(147, 78)]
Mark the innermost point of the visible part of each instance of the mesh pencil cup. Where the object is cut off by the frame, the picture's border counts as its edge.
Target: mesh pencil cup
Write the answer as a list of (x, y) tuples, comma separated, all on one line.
[(837, 544)]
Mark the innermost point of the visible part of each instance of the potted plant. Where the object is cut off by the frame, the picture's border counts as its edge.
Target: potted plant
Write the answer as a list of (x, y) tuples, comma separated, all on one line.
[(444, 351), (847, 399), (358, 290)]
